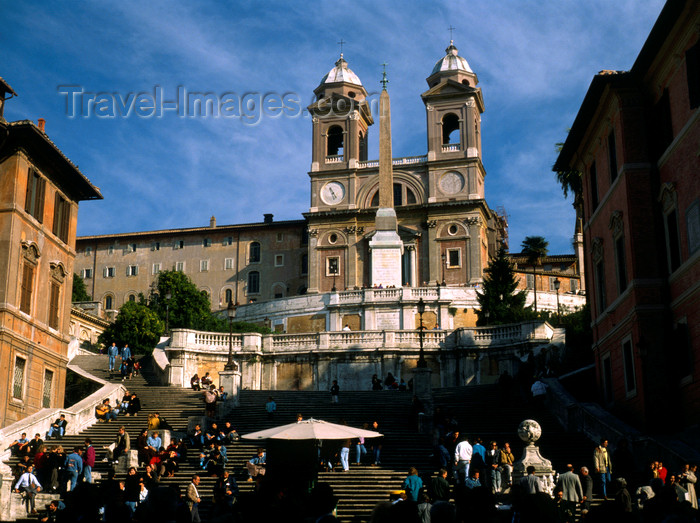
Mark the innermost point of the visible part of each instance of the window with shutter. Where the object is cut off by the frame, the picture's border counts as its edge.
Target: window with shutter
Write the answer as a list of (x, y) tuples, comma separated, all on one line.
[(34, 200), (54, 293), (25, 302)]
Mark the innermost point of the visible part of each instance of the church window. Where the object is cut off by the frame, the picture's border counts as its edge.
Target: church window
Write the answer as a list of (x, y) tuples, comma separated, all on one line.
[(450, 129), (229, 296), (398, 196), (335, 141), (332, 265), (402, 196), (363, 147), (452, 230), (454, 258), (34, 199), (333, 239), (254, 252), (410, 196), (253, 282)]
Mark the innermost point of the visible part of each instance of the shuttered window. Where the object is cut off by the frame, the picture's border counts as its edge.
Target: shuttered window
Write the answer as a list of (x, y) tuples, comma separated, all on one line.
[(25, 300), (61, 218), (34, 199), (54, 293)]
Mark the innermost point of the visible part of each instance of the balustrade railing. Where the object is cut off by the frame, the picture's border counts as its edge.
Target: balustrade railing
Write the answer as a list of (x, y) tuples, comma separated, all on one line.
[(406, 160), (448, 148), (334, 159)]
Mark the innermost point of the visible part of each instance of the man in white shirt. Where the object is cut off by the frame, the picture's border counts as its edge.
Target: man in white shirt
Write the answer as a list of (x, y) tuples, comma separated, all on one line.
[(463, 456), (28, 483)]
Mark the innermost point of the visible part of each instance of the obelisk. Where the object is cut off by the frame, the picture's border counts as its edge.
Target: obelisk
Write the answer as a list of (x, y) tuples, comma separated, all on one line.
[(386, 245)]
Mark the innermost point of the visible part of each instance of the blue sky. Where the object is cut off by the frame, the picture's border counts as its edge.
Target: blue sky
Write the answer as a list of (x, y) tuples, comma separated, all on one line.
[(534, 61)]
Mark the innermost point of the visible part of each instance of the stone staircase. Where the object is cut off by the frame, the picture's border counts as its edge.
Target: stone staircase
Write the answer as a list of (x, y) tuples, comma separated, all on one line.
[(479, 410)]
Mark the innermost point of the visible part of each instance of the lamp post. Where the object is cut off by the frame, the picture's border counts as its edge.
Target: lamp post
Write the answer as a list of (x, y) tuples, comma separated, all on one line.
[(444, 262), (421, 357), (486, 315), (167, 312), (231, 313), (557, 284)]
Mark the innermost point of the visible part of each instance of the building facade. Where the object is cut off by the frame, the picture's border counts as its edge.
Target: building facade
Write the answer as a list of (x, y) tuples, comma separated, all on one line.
[(635, 143), (239, 263), (39, 193)]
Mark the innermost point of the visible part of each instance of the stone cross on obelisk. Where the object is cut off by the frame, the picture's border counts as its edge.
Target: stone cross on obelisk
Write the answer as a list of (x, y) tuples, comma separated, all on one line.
[(386, 245)]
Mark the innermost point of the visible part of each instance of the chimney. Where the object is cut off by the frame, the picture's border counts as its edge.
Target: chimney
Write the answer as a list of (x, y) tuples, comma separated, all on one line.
[(268, 218), (212, 222), (42, 125)]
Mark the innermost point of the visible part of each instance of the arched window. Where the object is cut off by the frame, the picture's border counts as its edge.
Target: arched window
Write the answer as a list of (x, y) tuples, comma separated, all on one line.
[(335, 141), (132, 297), (253, 282), (450, 129), (109, 302), (229, 296), (255, 252), (402, 196)]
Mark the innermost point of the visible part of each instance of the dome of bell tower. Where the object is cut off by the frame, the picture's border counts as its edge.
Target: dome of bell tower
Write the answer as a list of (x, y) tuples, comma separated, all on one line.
[(341, 73), (451, 61)]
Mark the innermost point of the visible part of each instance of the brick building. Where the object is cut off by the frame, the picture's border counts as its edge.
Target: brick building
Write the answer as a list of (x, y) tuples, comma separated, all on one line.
[(635, 143), (39, 193)]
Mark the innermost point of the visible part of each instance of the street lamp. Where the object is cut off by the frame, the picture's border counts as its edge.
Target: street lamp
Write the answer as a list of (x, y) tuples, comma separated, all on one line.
[(444, 262), (231, 313), (167, 311), (486, 315), (421, 358), (557, 284)]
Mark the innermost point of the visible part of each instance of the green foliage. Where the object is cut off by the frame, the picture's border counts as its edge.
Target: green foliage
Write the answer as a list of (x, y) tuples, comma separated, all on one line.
[(137, 325), (79, 290), (189, 308), (570, 181), (500, 298), (535, 248)]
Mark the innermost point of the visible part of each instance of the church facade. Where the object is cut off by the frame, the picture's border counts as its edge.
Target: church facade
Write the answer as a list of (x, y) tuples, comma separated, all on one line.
[(447, 229)]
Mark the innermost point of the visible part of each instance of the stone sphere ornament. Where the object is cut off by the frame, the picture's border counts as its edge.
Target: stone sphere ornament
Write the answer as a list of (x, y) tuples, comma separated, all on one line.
[(529, 431)]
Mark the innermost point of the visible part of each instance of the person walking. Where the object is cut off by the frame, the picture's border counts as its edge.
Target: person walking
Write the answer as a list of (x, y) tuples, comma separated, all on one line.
[(193, 499), (335, 390), (73, 465), (570, 485), (603, 466), (463, 456), (112, 352), (412, 484), (270, 407), (345, 455), (88, 460)]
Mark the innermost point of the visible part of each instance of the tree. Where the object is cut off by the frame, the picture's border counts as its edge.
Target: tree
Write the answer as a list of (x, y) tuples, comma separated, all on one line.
[(535, 248), (187, 308), (571, 181), (500, 301), (79, 290), (136, 325)]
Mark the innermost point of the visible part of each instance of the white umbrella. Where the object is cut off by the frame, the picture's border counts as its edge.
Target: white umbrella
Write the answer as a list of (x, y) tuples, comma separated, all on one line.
[(312, 429)]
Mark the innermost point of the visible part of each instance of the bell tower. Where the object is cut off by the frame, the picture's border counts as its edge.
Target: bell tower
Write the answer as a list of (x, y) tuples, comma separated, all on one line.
[(341, 117), (453, 105)]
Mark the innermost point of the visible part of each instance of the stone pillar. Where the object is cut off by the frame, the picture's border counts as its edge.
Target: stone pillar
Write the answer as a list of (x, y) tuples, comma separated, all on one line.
[(230, 380), (422, 388), (529, 432)]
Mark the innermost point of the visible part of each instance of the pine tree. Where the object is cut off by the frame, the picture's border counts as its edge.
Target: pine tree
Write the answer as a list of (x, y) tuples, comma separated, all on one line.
[(500, 298)]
